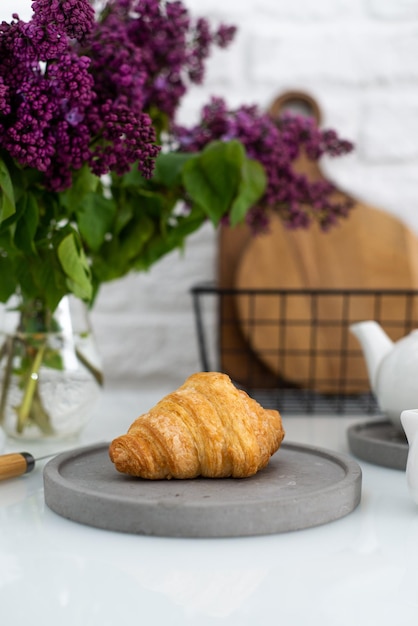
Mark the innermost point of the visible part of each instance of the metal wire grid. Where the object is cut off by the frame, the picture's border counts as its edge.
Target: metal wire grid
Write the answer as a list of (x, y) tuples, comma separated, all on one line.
[(223, 346)]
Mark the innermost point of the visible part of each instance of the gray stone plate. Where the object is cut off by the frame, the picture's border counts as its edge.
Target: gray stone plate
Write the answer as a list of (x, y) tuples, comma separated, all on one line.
[(301, 487), (379, 443)]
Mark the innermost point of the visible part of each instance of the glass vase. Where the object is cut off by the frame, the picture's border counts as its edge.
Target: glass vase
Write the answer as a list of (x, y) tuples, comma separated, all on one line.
[(50, 372)]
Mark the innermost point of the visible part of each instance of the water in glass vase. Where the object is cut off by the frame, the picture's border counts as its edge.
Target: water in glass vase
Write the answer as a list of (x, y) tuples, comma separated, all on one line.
[(50, 374)]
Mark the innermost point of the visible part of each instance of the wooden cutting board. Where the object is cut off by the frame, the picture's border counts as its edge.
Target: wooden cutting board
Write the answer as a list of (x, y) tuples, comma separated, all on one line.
[(370, 250)]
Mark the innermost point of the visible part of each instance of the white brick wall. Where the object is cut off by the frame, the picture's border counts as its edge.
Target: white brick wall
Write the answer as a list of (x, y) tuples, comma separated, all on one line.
[(358, 58)]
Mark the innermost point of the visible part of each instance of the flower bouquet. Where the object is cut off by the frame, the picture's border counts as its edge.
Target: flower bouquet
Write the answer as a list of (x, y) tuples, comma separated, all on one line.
[(97, 179)]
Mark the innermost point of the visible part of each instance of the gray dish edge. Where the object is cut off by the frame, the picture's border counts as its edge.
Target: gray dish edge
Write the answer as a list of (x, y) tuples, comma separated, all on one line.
[(363, 445), (284, 515)]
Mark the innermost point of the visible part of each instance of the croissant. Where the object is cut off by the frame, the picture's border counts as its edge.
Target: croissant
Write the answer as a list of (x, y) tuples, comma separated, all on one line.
[(207, 427)]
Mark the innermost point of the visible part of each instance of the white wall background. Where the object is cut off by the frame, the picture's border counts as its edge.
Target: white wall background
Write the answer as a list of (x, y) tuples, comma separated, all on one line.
[(358, 58)]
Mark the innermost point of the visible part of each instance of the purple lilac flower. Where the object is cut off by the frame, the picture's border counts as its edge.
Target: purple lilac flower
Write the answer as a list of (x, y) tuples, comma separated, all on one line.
[(61, 106), (116, 63), (173, 47), (4, 99), (130, 138), (276, 144), (43, 129), (75, 18), (225, 35)]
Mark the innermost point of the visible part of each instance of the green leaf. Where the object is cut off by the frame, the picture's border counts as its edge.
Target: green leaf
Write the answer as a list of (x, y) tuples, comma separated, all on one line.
[(42, 277), (7, 280), (171, 238), (152, 204), (75, 266), (212, 178), (95, 217), (251, 189), (6, 242), (134, 237), (53, 359), (84, 183), (124, 213), (133, 178), (51, 276), (120, 255), (7, 198), (169, 167), (27, 223)]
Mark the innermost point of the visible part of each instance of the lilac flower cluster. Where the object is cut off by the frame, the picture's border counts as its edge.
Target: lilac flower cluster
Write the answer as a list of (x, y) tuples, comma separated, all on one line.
[(166, 48), (75, 18), (276, 144), (76, 90), (55, 115)]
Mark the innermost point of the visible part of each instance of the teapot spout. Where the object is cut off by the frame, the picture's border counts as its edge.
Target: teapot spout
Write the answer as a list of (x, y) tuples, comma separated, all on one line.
[(375, 344)]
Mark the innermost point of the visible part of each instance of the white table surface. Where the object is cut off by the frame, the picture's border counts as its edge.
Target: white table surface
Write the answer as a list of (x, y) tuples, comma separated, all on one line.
[(359, 570)]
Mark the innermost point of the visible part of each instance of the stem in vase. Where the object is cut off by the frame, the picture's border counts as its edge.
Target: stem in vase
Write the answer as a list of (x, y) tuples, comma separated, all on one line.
[(6, 349), (31, 406)]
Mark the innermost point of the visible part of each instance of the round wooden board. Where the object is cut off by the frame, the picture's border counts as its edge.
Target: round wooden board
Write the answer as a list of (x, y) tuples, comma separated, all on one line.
[(370, 250)]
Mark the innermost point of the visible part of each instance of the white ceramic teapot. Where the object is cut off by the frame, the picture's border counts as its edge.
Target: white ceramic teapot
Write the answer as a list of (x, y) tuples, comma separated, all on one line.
[(392, 368), (409, 420)]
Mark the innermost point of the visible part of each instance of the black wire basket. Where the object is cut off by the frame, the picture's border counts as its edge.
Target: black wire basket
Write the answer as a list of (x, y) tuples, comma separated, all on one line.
[(292, 349)]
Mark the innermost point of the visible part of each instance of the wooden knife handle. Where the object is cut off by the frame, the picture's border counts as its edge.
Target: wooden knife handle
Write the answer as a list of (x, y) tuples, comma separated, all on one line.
[(16, 464)]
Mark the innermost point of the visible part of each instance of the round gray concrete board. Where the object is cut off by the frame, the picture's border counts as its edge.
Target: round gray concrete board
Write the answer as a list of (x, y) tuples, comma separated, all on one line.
[(379, 443), (301, 487)]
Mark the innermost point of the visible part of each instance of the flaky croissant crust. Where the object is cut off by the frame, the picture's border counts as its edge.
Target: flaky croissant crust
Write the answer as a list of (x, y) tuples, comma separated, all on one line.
[(207, 427)]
